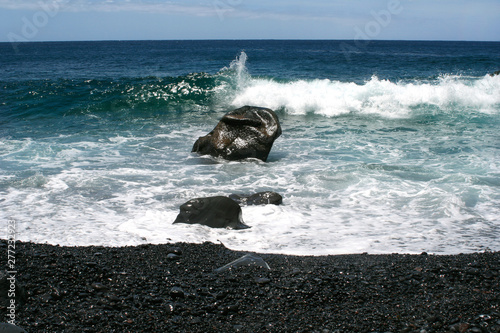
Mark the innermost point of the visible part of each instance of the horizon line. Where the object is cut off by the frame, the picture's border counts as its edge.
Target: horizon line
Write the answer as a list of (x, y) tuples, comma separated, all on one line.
[(250, 39)]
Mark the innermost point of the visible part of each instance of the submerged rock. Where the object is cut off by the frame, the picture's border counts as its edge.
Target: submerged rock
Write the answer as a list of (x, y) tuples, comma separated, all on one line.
[(261, 198), (246, 132), (215, 212)]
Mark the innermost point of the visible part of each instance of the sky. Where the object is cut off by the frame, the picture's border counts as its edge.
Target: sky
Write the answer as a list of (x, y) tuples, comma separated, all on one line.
[(70, 20)]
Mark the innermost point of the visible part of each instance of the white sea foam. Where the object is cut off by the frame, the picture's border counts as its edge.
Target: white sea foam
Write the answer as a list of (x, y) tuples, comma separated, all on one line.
[(331, 205), (376, 96)]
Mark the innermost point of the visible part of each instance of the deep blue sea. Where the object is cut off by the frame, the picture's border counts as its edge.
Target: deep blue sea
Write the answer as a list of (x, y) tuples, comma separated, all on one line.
[(387, 146)]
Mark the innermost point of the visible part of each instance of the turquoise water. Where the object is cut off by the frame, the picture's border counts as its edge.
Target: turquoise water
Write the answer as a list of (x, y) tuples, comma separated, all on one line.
[(393, 147)]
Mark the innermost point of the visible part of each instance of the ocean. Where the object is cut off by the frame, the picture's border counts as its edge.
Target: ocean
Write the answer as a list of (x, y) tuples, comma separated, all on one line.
[(387, 146)]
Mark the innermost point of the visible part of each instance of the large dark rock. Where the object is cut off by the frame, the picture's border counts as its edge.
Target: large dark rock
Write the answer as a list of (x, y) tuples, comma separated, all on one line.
[(261, 198), (242, 133), (495, 73), (215, 212)]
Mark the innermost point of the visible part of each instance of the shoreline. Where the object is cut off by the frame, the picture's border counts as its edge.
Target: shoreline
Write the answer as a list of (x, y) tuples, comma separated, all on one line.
[(174, 288)]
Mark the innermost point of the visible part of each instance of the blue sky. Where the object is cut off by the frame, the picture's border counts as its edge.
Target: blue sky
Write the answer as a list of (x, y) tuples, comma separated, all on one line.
[(55, 20)]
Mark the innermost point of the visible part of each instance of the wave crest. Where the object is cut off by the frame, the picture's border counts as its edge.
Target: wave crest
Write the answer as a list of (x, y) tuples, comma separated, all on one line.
[(234, 86), (377, 96)]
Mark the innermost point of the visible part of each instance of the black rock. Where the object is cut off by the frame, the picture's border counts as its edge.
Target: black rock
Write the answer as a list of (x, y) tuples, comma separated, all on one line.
[(175, 250), (262, 280), (177, 292), (98, 286), (247, 132), (215, 212), (172, 256), (261, 198), (232, 308), (222, 294)]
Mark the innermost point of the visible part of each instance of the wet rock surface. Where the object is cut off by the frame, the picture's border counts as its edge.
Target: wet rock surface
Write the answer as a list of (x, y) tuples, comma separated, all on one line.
[(261, 198), (247, 132), (139, 289), (215, 212)]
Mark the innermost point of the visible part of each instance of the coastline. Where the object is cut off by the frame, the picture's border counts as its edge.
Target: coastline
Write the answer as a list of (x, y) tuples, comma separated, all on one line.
[(173, 287)]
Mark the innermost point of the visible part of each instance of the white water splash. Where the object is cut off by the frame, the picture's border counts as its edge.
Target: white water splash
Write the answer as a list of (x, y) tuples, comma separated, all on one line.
[(376, 96)]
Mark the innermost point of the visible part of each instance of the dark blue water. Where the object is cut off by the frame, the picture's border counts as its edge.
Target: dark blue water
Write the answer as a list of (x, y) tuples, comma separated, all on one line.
[(335, 60), (387, 146)]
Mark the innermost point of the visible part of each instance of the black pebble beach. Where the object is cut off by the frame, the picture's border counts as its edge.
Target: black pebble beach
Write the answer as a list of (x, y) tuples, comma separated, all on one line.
[(174, 288)]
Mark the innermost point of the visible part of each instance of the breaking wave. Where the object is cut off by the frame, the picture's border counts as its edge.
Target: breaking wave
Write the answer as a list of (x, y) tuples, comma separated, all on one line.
[(447, 93), (234, 86)]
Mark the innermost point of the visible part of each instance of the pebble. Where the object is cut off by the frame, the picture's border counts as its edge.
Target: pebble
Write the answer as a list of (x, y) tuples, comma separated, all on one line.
[(172, 256), (177, 292), (262, 280), (98, 286), (114, 298), (174, 250)]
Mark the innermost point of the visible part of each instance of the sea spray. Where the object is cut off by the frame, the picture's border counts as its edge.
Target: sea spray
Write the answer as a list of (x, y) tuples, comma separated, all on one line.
[(239, 66)]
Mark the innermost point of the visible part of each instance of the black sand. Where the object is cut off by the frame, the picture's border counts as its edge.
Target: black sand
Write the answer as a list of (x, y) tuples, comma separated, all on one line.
[(140, 289)]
